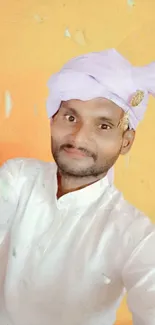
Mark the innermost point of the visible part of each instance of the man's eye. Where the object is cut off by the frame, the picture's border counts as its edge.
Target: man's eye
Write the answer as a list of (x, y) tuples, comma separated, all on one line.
[(104, 127), (70, 118)]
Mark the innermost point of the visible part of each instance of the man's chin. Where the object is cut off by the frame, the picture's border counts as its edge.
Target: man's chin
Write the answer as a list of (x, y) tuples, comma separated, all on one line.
[(74, 169)]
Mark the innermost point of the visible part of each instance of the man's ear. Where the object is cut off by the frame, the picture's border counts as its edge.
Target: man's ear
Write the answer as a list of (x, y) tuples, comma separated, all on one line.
[(128, 139)]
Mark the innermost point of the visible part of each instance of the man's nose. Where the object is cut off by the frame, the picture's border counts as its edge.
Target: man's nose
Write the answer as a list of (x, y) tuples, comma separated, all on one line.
[(82, 134)]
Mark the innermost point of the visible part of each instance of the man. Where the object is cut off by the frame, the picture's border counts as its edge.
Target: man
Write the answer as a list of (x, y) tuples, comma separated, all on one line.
[(71, 246)]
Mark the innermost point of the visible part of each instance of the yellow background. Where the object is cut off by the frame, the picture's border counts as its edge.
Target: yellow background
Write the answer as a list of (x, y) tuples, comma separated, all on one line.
[(33, 46)]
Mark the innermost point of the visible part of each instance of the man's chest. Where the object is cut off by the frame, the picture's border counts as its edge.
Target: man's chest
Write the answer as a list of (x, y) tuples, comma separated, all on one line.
[(74, 256)]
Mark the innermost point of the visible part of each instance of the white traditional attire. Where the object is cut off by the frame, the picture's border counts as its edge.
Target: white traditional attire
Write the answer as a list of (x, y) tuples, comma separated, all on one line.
[(69, 261)]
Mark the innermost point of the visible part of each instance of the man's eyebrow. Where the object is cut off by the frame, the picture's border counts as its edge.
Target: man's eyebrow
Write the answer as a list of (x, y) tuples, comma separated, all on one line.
[(70, 110), (106, 119)]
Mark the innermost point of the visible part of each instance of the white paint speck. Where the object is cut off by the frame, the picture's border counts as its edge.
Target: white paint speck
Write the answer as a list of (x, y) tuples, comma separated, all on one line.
[(8, 104), (67, 33), (39, 19), (79, 38), (131, 3)]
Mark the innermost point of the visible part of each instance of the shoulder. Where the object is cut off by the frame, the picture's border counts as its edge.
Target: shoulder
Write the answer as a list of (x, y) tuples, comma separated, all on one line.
[(124, 209), (135, 226), (25, 166), (14, 173)]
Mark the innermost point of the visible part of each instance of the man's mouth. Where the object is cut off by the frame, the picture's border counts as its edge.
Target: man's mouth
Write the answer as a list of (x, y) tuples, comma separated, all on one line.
[(75, 152)]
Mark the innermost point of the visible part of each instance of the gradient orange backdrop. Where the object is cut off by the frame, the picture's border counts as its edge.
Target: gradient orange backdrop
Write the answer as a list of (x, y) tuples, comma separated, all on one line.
[(34, 44)]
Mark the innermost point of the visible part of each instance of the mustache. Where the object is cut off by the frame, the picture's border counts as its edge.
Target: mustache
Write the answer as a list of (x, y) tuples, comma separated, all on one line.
[(84, 150)]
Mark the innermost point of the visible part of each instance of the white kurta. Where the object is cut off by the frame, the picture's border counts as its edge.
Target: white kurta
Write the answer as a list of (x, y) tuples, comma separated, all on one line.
[(67, 261)]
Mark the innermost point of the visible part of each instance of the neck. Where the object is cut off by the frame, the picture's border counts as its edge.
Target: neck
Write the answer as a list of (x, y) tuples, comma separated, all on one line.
[(67, 184)]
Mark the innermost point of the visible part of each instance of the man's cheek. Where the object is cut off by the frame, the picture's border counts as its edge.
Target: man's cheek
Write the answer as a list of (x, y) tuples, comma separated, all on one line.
[(110, 148)]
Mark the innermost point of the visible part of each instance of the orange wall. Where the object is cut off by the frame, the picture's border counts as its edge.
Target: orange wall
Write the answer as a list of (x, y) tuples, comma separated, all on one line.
[(34, 45)]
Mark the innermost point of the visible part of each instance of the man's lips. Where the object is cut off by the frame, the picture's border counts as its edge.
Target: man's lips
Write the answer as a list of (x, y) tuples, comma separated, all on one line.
[(75, 152)]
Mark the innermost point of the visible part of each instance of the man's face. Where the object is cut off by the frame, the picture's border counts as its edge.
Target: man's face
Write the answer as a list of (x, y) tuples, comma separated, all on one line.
[(86, 137)]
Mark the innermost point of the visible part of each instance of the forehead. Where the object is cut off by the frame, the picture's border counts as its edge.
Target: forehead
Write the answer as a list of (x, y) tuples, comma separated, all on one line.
[(95, 108)]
